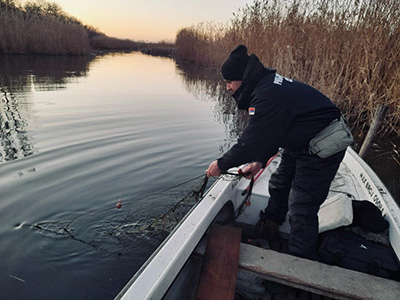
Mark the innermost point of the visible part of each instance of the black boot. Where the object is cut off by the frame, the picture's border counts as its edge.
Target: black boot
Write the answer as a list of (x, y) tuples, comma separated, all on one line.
[(267, 230)]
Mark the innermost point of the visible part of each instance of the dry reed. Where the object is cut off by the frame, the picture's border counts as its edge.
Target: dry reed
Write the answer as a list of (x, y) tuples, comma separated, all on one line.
[(104, 42), (40, 28), (349, 49), (163, 48)]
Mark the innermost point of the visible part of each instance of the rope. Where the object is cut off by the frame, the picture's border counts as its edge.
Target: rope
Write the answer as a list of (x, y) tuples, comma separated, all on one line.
[(247, 198), (179, 184), (248, 191)]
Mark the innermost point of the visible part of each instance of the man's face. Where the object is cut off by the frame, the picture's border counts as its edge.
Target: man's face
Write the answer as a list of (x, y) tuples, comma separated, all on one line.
[(232, 86)]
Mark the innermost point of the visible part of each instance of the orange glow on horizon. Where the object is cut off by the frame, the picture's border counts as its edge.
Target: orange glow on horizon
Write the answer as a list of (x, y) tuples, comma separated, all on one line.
[(150, 21)]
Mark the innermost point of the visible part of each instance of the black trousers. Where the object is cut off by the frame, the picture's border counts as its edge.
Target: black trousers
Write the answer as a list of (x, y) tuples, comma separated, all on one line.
[(299, 186)]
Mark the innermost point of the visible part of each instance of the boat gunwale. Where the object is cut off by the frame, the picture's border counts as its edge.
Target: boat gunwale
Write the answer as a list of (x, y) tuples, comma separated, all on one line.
[(225, 181)]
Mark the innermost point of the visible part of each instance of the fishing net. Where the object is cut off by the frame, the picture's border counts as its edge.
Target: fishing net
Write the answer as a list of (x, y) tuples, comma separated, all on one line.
[(121, 223)]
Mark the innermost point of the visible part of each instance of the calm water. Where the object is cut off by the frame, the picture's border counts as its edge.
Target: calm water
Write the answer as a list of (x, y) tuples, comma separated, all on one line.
[(77, 135)]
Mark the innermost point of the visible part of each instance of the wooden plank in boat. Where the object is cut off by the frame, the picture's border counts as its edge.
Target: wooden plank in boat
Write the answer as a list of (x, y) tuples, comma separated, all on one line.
[(319, 278), (220, 266)]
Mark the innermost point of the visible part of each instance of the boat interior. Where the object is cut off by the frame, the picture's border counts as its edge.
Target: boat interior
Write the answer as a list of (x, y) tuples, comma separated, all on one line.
[(213, 253), (231, 263)]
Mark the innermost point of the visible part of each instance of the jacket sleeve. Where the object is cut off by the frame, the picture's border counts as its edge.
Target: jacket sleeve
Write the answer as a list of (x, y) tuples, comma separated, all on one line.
[(260, 139)]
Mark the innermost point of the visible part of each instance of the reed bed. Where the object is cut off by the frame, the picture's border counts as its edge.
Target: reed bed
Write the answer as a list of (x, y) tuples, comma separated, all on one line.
[(163, 48), (348, 49), (101, 41), (40, 28)]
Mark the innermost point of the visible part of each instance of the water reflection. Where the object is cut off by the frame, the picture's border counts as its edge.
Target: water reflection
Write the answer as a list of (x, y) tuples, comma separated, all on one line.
[(22, 75), (384, 159), (207, 85), (14, 138), (43, 73)]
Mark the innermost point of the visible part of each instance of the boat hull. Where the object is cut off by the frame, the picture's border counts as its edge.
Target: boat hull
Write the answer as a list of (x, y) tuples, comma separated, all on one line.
[(355, 178)]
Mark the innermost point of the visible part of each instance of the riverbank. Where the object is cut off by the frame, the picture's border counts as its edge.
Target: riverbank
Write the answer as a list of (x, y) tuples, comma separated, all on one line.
[(44, 28), (350, 50), (40, 27)]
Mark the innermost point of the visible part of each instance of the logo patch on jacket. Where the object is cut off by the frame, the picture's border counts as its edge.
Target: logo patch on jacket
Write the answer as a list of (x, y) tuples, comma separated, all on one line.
[(252, 111), (279, 79)]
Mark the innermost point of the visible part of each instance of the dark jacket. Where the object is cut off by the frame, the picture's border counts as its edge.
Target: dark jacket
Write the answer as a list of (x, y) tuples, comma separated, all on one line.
[(287, 114)]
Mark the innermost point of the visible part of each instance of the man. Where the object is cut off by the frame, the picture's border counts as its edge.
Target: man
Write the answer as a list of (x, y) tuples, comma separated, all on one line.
[(283, 114)]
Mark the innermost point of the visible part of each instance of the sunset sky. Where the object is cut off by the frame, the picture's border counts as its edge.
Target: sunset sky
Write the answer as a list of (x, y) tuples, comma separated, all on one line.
[(149, 20)]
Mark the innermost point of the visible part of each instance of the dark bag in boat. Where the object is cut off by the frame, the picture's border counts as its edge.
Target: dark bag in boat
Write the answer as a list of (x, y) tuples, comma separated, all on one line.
[(348, 250), (368, 217)]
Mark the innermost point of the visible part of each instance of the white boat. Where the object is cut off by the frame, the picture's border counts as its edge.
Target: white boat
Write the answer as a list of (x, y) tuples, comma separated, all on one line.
[(172, 271)]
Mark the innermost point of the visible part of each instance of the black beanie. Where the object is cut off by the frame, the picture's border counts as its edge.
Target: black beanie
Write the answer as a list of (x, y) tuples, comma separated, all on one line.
[(233, 67)]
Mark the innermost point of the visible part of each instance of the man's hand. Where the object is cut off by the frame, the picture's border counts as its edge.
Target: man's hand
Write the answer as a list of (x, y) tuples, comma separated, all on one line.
[(252, 168), (213, 169)]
